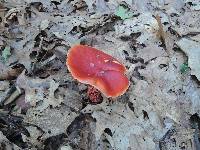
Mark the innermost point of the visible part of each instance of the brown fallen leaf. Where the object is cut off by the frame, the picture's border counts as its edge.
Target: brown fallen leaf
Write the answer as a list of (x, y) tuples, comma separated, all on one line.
[(7, 73)]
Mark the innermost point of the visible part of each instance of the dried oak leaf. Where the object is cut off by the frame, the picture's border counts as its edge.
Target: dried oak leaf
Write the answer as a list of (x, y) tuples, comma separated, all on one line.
[(192, 50), (39, 92)]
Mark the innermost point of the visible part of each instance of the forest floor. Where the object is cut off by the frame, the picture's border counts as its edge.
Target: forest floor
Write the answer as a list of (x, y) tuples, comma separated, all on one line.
[(43, 107)]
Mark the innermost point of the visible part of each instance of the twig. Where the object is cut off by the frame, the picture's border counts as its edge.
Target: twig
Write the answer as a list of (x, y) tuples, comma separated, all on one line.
[(161, 33)]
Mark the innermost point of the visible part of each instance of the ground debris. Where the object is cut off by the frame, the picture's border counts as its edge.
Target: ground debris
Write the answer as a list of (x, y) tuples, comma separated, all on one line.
[(192, 50), (43, 107)]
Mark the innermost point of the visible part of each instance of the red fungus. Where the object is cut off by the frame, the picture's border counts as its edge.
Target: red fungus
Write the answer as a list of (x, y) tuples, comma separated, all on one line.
[(94, 67)]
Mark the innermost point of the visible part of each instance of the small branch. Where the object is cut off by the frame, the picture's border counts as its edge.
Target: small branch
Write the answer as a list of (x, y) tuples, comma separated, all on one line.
[(161, 33)]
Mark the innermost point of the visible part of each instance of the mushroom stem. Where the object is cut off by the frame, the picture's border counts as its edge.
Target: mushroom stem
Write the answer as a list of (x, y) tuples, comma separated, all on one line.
[(94, 95)]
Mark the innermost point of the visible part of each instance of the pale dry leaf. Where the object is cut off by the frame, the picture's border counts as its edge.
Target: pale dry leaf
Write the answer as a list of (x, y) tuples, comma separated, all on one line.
[(141, 5), (195, 5), (187, 23), (23, 48), (196, 38), (90, 4), (173, 6), (160, 81), (101, 7), (66, 147), (71, 98), (39, 92), (124, 126), (140, 118), (4, 85), (51, 121), (35, 133), (44, 24), (145, 24), (192, 93), (151, 52), (192, 50)]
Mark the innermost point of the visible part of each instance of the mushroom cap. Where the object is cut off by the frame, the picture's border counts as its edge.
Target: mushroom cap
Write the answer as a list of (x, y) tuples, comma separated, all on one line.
[(94, 67)]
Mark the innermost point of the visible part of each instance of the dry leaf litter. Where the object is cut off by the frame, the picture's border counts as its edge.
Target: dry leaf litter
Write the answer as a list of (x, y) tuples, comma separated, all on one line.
[(43, 107)]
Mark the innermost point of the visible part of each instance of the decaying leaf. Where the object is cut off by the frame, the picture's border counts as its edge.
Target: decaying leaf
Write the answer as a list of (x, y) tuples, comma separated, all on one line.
[(192, 50), (51, 121), (151, 52), (186, 23), (4, 85), (145, 24), (44, 24), (7, 73), (124, 125), (35, 133), (195, 5), (151, 100), (39, 92), (155, 111)]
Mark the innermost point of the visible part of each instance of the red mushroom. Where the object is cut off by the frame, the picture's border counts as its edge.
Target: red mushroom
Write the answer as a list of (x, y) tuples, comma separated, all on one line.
[(94, 67)]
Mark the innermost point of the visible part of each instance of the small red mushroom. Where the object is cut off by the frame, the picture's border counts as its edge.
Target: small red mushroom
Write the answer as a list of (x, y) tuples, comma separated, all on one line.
[(96, 68)]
